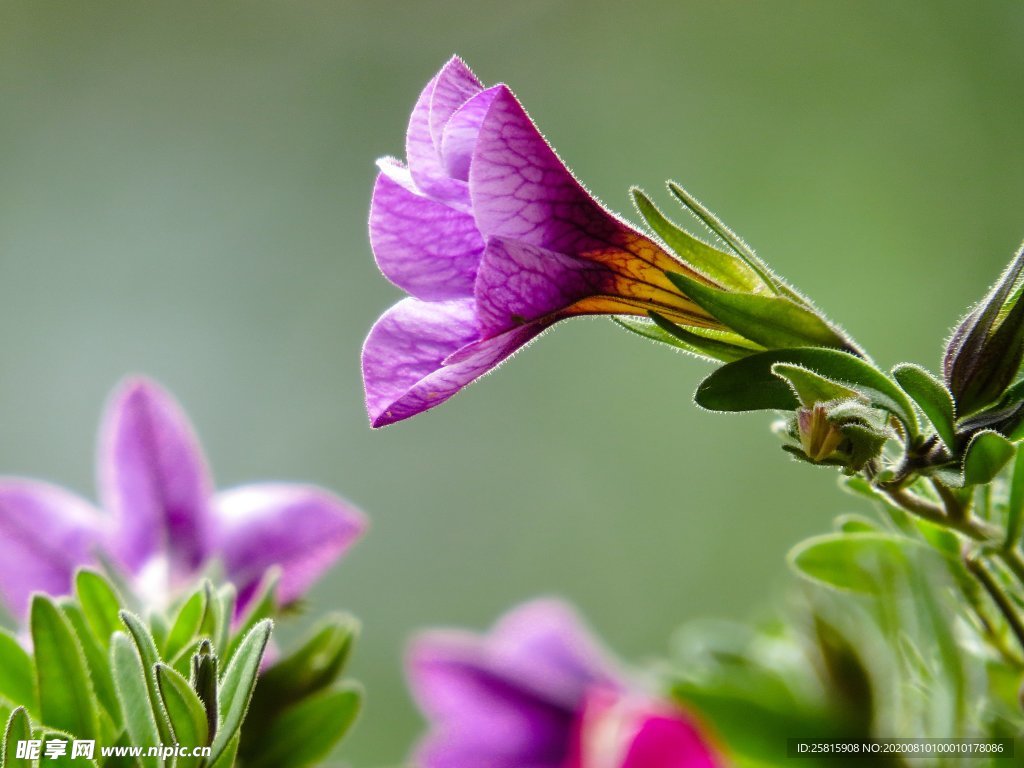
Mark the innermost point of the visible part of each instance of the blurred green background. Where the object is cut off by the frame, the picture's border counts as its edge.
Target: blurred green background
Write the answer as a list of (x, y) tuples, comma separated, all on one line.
[(183, 192)]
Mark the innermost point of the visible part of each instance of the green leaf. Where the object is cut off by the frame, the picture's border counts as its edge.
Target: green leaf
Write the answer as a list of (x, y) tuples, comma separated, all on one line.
[(986, 455), (100, 605), (204, 683), (187, 623), (186, 712), (707, 347), (18, 729), (17, 673), (852, 561), (750, 385), (726, 269), (133, 692), (853, 523), (227, 757), (774, 322), (48, 735), (306, 732), (237, 686), (932, 397), (316, 664), (1015, 512), (96, 659), (263, 606), (221, 611), (146, 645), (66, 698), (809, 387)]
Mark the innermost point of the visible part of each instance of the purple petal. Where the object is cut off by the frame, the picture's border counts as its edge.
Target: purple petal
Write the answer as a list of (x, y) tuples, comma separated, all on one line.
[(456, 84), (520, 189), (668, 740), (518, 283), (419, 354), (462, 130), (424, 247), (301, 529), (421, 149), (46, 533), (481, 715), (154, 480)]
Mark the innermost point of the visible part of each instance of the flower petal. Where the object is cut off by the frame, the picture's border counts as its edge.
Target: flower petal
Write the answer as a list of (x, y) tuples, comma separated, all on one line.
[(46, 533), (455, 85), (302, 529), (154, 480), (419, 354), (480, 714), (421, 149), (521, 190), (424, 247), (462, 130)]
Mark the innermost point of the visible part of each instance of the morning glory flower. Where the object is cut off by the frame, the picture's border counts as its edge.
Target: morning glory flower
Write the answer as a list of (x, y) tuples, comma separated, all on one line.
[(494, 240), (537, 691), (162, 523)]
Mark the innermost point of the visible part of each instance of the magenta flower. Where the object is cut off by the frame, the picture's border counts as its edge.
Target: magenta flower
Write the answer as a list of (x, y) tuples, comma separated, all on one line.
[(538, 692), (494, 240), (163, 524)]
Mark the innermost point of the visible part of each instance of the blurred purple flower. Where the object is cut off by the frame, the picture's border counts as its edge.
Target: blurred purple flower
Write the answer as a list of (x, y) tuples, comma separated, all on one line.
[(494, 240), (538, 692), (163, 523)]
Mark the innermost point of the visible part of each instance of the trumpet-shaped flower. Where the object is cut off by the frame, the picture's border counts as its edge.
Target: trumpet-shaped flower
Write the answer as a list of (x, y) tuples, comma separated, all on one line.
[(162, 523), (538, 692), (494, 240)]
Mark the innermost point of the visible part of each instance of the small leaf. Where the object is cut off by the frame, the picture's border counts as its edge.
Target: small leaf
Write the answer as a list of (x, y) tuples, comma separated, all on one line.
[(96, 659), (204, 683), (187, 624), (305, 733), (750, 385), (237, 686), (262, 606), (932, 397), (100, 605), (1015, 512), (227, 757), (146, 645), (17, 673), (133, 692), (706, 347), (66, 698), (18, 729), (316, 664), (774, 322), (809, 387), (852, 561), (186, 713), (852, 523), (726, 269), (986, 455)]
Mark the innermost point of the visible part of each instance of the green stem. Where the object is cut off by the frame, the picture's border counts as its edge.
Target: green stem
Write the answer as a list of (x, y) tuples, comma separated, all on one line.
[(933, 513), (980, 572)]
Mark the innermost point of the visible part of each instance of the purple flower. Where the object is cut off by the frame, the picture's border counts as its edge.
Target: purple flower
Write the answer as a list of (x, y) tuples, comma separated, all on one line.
[(538, 692), (494, 240), (163, 524)]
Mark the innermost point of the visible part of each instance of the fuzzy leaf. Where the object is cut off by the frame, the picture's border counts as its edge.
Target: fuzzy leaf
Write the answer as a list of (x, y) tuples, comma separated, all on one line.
[(809, 387), (204, 683), (96, 659), (146, 645), (707, 347), (986, 455), (66, 698), (306, 732), (133, 692), (18, 729), (263, 606), (932, 397), (100, 605), (851, 561), (186, 713), (316, 664), (726, 269), (17, 673), (187, 623), (237, 685)]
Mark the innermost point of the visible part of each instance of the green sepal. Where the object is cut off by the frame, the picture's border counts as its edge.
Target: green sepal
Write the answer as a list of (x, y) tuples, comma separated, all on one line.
[(809, 387), (67, 701), (932, 397), (186, 712), (852, 561), (706, 347), (17, 674), (774, 322), (726, 269), (236, 687), (986, 455), (132, 679), (100, 603), (306, 732), (750, 385), (18, 728)]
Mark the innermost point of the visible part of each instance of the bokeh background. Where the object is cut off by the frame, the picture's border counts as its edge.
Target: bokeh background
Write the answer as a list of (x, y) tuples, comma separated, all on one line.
[(183, 192)]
